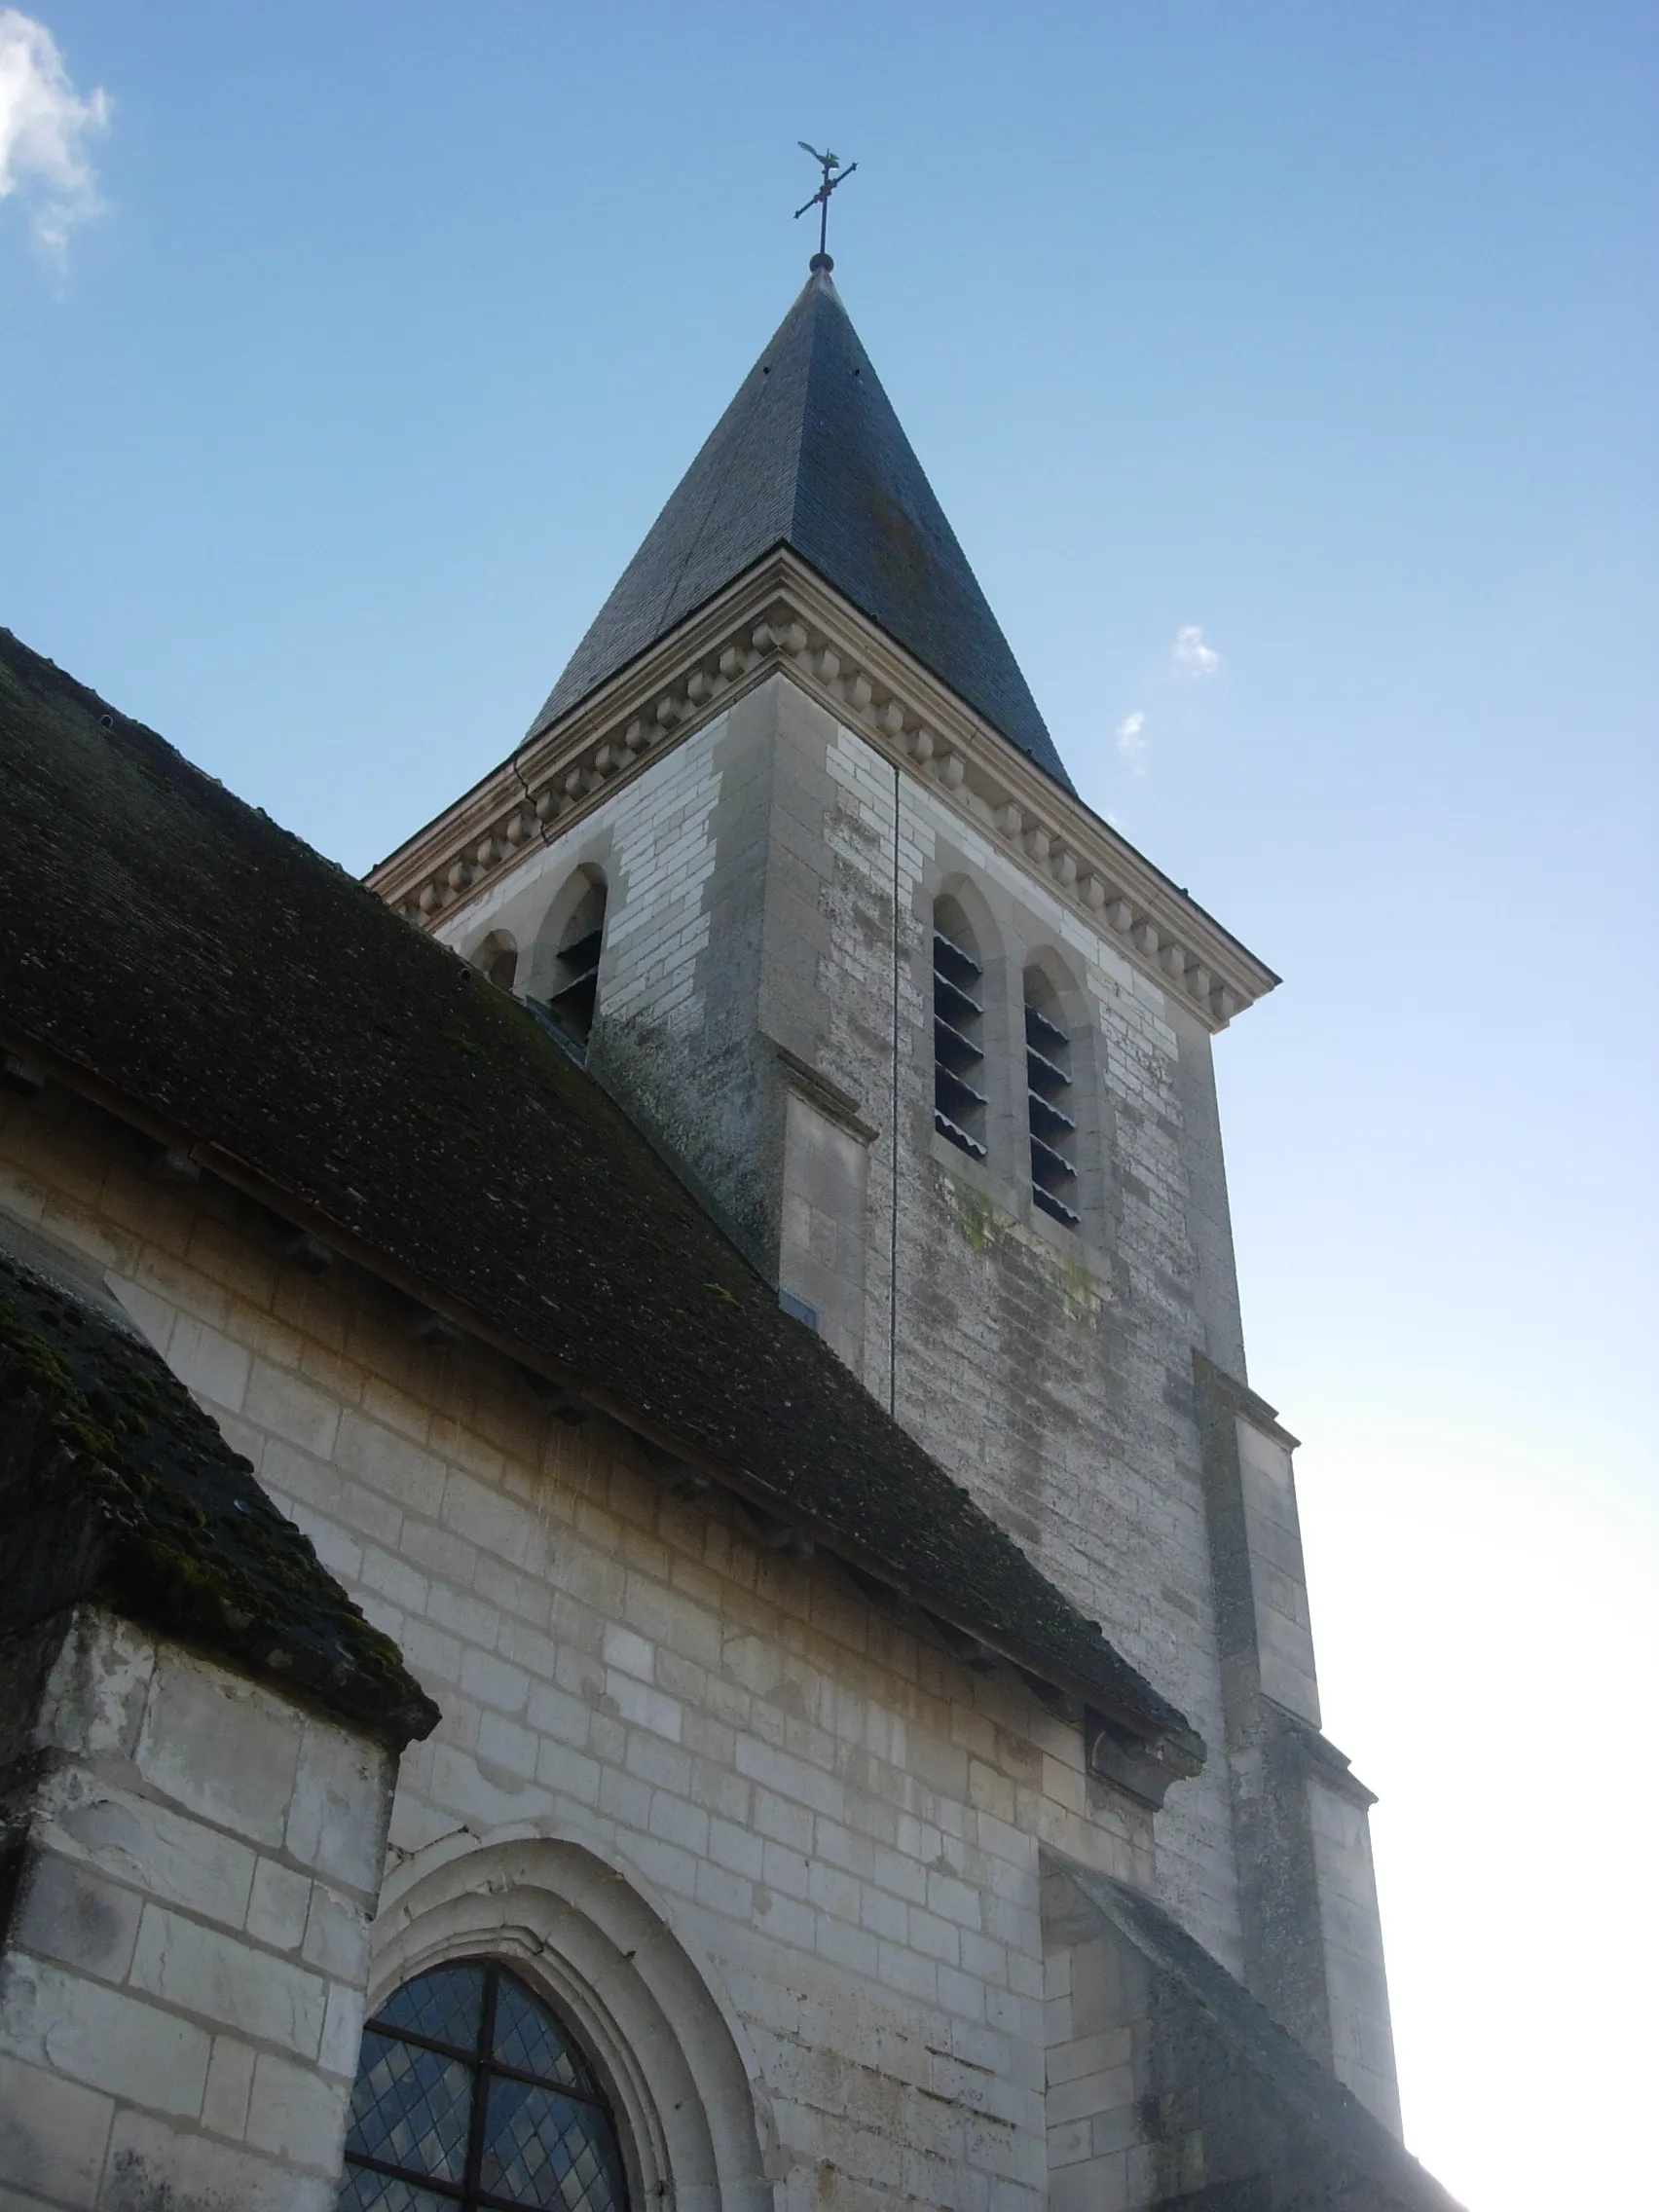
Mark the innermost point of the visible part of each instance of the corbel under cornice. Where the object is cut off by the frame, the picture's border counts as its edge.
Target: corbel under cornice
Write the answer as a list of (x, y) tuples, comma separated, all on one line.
[(781, 617)]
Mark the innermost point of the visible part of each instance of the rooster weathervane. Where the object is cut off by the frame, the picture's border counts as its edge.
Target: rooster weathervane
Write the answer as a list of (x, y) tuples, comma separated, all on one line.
[(833, 174)]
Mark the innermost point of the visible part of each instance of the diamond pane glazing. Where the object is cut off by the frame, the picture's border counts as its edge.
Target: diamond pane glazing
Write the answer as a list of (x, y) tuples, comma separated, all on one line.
[(530, 2037), (411, 2108), (544, 2150), (447, 2005), (364, 2191)]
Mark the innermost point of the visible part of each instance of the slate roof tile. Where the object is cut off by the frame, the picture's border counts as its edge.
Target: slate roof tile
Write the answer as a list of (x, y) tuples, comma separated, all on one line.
[(811, 455), (116, 1487)]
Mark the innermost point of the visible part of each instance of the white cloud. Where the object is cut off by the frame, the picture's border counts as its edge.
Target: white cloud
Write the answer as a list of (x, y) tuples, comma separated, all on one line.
[(1193, 657), (1131, 738), (44, 125)]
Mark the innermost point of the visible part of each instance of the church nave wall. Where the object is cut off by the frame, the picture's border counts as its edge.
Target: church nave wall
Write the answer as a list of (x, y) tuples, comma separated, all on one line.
[(834, 1814)]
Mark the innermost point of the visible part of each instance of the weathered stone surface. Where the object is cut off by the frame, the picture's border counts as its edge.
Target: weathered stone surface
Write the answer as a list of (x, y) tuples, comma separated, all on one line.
[(550, 1227), (812, 1817), (840, 1813), (181, 1977), (53, 2134), (1180, 2089)]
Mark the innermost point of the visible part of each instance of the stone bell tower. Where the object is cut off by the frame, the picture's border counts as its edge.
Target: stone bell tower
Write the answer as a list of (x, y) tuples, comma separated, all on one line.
[(791, 859)]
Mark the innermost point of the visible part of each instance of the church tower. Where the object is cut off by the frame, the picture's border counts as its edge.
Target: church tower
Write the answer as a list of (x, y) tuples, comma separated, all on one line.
[(792, 860)]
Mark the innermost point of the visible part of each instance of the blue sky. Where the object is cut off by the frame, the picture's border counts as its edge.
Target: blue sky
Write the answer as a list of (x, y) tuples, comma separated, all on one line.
[(359, 367)]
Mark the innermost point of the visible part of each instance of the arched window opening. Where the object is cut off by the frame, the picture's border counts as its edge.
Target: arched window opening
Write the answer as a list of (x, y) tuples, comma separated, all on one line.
[(471, 2092), (575, 966), (1048, 1097), (497, 958), (959, 1025)]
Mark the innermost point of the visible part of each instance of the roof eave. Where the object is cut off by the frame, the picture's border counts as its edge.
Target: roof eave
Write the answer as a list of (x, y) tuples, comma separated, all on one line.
[(1172, 1748), (782, 616)]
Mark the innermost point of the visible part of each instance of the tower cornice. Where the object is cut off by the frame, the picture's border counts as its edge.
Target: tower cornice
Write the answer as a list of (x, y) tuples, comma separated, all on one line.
[(781, 617)]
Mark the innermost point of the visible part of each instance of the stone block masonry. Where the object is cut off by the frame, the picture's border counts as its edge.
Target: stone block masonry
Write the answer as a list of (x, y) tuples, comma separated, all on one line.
[(196, 1862), (825, 1806), (1049, 1368), (793, 869)]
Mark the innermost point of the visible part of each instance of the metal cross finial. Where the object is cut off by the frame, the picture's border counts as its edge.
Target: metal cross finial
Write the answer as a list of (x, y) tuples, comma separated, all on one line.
[(829, 164)]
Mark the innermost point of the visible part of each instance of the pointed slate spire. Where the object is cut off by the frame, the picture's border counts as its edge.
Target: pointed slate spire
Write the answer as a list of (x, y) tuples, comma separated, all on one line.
[(810, 454)]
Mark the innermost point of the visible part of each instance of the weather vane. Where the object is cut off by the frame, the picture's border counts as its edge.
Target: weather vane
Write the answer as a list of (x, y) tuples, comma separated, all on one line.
[(833, 174)]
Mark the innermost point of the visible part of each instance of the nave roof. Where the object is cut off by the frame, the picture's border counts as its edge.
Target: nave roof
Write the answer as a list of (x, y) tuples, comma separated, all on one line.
[(173, 953)]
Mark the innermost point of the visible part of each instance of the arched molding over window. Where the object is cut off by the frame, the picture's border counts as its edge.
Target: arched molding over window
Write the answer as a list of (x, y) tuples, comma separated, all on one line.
[(1061, 1121), (692, 2115), (967, 1021), (497, 957), (565, 968)]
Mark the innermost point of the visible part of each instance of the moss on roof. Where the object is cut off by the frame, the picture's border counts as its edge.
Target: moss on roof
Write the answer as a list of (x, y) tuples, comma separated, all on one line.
[(190, 956), (116, 1486)]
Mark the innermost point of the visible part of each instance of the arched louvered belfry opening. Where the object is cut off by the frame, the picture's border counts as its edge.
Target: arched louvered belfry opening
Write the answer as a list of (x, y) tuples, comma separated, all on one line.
[(1049, 1101), (471, 2092), (959, 1030), (575, 995)]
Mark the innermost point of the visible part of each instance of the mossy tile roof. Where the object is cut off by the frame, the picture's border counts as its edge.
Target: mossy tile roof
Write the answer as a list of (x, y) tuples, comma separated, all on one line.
[(176, 949)]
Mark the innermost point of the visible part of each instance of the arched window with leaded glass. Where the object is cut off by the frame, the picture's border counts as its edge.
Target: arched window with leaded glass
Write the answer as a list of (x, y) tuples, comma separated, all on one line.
[(472, 2094)]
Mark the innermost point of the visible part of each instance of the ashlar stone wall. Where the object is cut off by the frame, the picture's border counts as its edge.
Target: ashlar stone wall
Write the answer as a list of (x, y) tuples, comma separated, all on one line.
[(197, 1862), (777, 963), (765, 1004), (828, 1811)]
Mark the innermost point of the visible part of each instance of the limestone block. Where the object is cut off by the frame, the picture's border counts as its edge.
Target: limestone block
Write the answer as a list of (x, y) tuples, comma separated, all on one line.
[(222, 1748), (230, 2083), (392, 1464), (289, 1406), (137, 1839), (53, 2133), (825, 1217), (336, 1813), (97, 1690), (278, 1906), (71, 1914), (153, 2164), (202, 1971), (342, 2031), (1278, 1579), (337, 1936), (109, 2038), (208, 1363), (295, 2113)]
